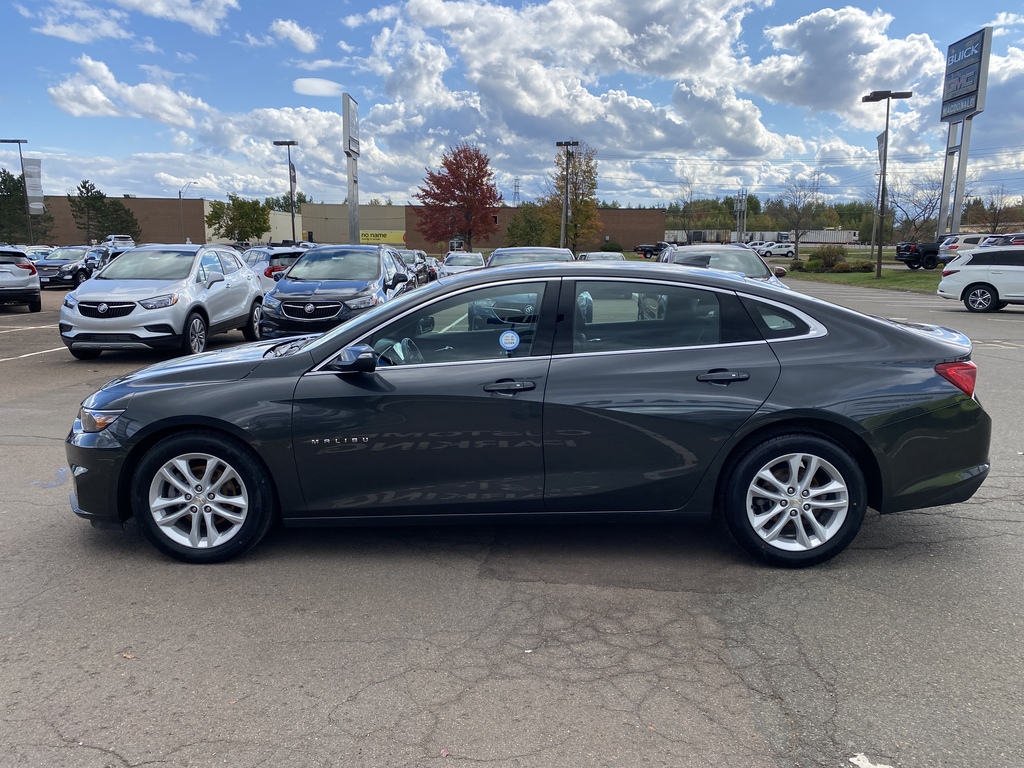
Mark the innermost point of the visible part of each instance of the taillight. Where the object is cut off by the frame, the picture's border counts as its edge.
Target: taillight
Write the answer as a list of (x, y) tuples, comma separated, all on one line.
[(948, 272), (962, 375), (30, 267), (269, 271), (952, 247)]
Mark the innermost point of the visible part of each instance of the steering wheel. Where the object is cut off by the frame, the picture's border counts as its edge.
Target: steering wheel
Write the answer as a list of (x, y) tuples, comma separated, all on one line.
[(410, 353)]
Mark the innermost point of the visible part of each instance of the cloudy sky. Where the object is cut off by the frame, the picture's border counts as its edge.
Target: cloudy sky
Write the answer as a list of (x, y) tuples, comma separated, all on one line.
[(143, 96)]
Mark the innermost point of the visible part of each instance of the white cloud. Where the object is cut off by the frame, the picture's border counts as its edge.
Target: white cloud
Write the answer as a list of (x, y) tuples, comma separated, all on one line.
[(377, 15), (303, 39), (315, 66), (204, 16), (146, 45), (95, 92), (78, 22), (315, 86)]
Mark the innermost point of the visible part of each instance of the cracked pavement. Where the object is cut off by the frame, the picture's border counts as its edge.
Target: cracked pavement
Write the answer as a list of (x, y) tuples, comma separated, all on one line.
[(507, 646)]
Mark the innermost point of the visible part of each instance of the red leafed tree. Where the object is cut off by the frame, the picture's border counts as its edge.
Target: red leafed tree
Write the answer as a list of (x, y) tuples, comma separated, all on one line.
[(460, 199)]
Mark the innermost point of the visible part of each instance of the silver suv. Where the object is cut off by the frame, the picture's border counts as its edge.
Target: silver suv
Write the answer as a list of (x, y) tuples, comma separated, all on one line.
[(19, 280), (162, 297)]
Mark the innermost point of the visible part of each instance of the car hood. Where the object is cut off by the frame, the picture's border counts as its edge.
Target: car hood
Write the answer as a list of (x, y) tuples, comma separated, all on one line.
[(99, 289), (323, 290), (55, 262), (221, 365)]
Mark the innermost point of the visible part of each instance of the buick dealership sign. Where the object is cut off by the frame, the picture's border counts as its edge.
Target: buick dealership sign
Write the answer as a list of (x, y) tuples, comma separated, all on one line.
[(963, 93)]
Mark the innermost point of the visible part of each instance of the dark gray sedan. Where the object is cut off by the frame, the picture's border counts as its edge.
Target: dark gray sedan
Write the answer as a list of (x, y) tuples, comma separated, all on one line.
[(787, 415)]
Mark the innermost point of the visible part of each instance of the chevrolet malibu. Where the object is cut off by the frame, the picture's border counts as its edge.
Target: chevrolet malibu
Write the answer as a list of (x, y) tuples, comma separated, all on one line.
[(787, 415)]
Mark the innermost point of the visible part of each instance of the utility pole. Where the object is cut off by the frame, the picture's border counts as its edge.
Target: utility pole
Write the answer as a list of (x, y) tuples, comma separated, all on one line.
[(565, 197), (291, 181)]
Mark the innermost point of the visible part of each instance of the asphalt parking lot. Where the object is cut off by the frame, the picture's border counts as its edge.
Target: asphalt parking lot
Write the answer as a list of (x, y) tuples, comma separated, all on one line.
[(510, 646)]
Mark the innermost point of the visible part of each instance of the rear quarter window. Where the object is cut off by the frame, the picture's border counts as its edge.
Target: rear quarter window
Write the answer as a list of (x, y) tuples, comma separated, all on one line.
[(775, 322)]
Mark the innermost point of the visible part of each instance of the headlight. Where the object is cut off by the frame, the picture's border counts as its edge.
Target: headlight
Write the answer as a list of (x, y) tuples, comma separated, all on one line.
[(97, 421), (269, 302), (70, 301), (67, 268), (363, 302), (160, 302)]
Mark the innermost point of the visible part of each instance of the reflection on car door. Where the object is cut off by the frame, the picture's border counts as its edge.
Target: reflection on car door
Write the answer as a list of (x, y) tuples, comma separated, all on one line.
[(436, 431), (647, 399)]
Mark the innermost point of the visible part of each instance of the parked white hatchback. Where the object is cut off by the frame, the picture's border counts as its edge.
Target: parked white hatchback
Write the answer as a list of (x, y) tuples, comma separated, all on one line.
[(162, 297), (776, 249), (985, 279)]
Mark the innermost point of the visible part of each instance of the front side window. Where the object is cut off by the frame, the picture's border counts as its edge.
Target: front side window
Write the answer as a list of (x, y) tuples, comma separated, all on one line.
[(489, 323), (208, 264)]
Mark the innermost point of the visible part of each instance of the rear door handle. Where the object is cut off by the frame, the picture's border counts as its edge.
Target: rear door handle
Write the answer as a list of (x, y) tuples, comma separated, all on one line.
[(509, 386), (723, 377)]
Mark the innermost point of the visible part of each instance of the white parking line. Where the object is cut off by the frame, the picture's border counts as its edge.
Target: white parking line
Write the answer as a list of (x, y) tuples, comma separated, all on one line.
[(26, 328), (31, 354)]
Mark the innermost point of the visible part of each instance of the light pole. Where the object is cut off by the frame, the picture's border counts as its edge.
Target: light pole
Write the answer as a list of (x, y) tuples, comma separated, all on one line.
[(181, 207), (565, 195), (291, 180), (887, 97), (24, 183)]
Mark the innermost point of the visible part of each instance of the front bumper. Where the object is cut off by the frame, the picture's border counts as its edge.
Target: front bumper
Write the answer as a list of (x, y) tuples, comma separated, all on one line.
[(96, 460)]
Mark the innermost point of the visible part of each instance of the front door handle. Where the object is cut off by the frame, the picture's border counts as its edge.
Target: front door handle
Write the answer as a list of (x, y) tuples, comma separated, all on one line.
[(723, 377), (509, 386)]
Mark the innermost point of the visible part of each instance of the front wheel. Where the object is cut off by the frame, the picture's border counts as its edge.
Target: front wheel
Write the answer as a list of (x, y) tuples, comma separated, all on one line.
[(981, 298), (202, 498), (794, 500), (35, 306), (914, 264), (930, 262), (80, 277), (193, 337), (251, 332)]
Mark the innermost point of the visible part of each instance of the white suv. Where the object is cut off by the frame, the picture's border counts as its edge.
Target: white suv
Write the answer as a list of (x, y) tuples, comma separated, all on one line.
[(985, 279), (776, 249), (162, 297), (954, 245), (19, 280)]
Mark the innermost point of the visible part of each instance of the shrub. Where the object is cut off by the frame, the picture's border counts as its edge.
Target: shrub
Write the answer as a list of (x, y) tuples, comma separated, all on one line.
[(862, 265), (610, 246), (829, 255), (796, 265), (842, 266), (813, 265)]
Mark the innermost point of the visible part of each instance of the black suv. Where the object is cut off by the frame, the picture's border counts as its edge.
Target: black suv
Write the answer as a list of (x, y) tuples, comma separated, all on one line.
[(917, 255), (70, 265), (329, 284)]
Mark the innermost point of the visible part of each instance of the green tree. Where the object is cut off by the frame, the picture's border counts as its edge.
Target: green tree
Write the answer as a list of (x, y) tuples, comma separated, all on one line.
[(89, 209), (583, 223), (527, 227), (460, 199), (238, 219), (281, 203), (119, 220), (13, 221)]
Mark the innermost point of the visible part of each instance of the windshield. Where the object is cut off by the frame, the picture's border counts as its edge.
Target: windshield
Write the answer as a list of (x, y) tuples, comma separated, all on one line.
[(333, 264), (606, 256), (518, 257), (150, 264), (466, 260), (67, 254), (744, 262)]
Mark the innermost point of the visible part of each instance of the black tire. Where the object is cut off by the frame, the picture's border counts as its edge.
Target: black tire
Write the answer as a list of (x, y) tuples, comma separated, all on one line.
[(789, 254), (80, 277), (930, 262), (84, 354), (914, 264), (981, 298), (251, 331), (237, 507), (806, 527), (35, 306), (194, 335)]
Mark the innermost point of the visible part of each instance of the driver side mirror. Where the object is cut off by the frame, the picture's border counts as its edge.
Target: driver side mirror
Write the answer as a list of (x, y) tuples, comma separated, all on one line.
[(400, 277), (781, 271), (359, 358)]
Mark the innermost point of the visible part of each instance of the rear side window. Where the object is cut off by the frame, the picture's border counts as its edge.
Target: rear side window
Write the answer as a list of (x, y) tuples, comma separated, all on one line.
[(978, 259), (774, 322), (1009, 259)]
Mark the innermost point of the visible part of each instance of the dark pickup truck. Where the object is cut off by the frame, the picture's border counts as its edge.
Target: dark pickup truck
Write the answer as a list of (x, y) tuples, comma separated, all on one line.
[(648, 251), (917, 255)]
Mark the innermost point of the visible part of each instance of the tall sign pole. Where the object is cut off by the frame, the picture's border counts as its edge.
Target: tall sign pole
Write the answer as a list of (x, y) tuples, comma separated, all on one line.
[(350, 129), (963, 97)]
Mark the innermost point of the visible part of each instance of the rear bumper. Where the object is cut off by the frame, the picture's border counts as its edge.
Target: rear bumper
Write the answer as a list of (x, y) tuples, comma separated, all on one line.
[(18, 295)]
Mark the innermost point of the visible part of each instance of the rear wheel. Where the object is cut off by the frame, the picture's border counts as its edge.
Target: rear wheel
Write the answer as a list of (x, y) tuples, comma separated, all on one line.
[(914, 264), (202, 498), (795, 500), (981, 298), (193, 337), (35, 306)]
